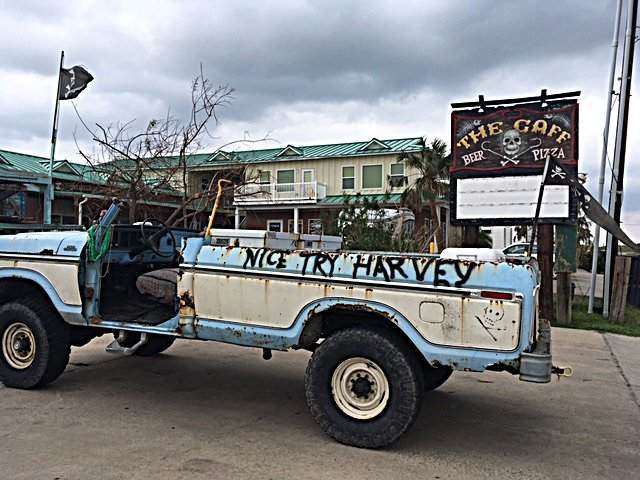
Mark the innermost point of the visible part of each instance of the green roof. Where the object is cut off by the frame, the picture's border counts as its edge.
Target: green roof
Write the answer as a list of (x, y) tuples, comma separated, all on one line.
[(309, 152), (22, 162), (14, 163), (63, 169), (377, 198)]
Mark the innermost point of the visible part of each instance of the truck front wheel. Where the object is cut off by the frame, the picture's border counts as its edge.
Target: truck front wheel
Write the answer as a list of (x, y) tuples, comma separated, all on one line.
[(34, 342), (364, 387)]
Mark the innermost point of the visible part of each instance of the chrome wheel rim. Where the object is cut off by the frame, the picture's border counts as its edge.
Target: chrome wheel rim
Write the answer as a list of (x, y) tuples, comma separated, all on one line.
[(19, 346), (360, 388)]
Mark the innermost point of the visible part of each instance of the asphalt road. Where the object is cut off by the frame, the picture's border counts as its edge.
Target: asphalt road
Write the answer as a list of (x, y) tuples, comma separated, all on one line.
[(208, 411)]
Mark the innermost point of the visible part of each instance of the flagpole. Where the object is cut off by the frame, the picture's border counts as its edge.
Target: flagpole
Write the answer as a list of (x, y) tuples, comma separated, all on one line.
[(54, 135)]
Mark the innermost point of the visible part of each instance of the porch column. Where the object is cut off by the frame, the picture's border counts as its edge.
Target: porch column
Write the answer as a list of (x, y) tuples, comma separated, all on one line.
[(295, 220), (237, 219)]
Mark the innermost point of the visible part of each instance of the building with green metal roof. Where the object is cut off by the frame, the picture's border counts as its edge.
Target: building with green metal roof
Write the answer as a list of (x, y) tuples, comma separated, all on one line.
[(290, 188), (24, 179), (287, 188)]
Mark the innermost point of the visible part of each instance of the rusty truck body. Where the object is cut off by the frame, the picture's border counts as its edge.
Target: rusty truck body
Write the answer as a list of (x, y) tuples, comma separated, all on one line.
[(383, 327)]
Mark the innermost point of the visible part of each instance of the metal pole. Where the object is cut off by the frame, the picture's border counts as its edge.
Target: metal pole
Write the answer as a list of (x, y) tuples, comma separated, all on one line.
[(617, 180), (54, 134), (536, 216), (603, 160), (80, 205)]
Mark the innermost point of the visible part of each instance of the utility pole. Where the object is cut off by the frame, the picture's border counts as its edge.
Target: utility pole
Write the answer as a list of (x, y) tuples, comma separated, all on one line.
[(605, 145), (617, 180)]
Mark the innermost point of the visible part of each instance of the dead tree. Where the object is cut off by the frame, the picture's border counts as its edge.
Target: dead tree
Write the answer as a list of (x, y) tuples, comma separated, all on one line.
[(153, 163)]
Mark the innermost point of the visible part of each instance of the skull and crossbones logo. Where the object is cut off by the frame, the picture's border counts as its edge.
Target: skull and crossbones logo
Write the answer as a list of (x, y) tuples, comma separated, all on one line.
[(511, 142), (491, 319), (558, 172), (512, 147)]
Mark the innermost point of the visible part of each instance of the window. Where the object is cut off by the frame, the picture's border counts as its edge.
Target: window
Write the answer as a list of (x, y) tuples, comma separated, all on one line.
[(307, 175), (290, 226), (14, 205), (348, 178), (204, 183), (397, 178), (264, 176), (286, 176), (285, 179), (264, 180), (516, 250), (315, 226), (274, 225), (372, 176)]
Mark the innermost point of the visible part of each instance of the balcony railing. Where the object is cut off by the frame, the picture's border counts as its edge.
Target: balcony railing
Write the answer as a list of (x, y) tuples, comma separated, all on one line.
[(280, 193)]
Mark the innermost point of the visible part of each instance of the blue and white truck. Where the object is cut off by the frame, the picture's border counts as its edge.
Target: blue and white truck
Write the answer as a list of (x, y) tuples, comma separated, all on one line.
[(383, 328)]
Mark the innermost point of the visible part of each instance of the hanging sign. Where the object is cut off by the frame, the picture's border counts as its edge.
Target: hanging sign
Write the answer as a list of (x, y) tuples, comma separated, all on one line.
[(515, 139)]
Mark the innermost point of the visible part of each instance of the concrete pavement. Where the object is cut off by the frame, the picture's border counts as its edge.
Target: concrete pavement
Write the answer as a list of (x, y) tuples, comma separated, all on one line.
[(626, 351), (206, 410)]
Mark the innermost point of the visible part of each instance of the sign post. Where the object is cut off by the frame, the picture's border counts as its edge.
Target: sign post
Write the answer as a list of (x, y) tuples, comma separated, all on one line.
[(565, 264), (506, 159)]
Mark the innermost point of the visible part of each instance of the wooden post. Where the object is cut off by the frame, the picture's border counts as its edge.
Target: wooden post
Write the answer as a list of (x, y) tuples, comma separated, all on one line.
[(563, 297), (471, 236), (455, 236), (463, 236), (619, 288), (565, 263), (545, 261)]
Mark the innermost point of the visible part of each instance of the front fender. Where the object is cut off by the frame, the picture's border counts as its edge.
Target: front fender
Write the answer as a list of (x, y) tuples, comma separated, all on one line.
[(70, 313)]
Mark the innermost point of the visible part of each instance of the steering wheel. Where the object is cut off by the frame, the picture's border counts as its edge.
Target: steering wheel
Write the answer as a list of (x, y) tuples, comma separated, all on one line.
[(151, 240)]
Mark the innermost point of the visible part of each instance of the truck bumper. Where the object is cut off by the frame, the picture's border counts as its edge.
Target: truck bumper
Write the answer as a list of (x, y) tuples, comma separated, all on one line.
[(535, 367)]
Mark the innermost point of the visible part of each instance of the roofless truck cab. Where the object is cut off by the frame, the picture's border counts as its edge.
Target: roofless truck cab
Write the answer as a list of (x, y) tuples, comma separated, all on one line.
[(383, 328)]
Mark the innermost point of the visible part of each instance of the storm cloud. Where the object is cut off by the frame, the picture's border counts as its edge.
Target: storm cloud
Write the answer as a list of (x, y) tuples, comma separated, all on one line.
[(304, 72)]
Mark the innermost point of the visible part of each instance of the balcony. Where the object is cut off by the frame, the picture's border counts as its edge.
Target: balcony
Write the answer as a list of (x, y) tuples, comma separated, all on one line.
[(280, 193)]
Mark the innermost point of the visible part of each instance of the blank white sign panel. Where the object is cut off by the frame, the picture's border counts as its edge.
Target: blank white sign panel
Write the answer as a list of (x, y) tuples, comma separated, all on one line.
[(509, 197)]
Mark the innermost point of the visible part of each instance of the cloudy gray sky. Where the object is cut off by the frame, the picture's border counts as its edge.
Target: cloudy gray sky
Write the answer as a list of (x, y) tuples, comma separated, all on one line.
[(307, 71)]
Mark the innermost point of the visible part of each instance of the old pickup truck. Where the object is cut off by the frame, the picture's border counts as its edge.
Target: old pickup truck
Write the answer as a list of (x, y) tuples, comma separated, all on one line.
[(383, 328)]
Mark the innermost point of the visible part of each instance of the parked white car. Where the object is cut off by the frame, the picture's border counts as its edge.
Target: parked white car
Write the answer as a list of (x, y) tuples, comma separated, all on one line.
[(520, 249)]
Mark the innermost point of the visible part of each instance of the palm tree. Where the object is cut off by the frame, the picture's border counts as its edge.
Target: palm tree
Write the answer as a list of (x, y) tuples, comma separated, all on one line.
[(431, 183)]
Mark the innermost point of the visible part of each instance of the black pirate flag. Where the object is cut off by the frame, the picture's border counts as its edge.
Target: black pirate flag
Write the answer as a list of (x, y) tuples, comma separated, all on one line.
[(72, 81)]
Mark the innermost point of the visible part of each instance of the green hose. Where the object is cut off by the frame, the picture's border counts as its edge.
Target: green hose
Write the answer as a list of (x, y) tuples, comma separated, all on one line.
[(93, 253)]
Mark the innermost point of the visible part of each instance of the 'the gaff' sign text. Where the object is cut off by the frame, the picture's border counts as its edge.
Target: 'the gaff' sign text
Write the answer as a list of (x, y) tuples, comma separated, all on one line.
[(506, 140)]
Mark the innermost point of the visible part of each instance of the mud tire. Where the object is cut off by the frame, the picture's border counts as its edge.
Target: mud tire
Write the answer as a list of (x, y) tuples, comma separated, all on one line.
[(52, 343), (401, 368)]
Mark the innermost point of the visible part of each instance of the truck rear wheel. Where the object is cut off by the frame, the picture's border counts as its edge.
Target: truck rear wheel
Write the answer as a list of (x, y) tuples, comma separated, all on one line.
[(34, 342), (364, 387)]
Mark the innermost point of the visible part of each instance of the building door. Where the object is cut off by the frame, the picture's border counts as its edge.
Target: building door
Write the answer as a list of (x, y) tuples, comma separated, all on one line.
[(290, 226), (308, 184)]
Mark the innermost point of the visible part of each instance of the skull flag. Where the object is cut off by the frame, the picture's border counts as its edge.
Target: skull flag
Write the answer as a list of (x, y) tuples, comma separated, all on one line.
[(73, 81), (505, 140)]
